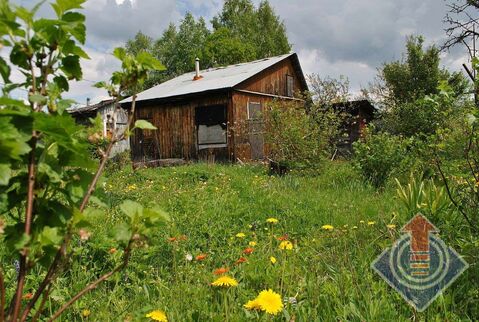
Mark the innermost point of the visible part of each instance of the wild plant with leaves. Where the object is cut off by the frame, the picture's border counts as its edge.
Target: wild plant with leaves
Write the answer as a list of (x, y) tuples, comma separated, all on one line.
[(47, 177)]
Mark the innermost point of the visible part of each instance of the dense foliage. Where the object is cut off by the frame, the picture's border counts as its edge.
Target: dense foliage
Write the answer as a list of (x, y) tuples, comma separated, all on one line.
[(241, 33), (47, 177)]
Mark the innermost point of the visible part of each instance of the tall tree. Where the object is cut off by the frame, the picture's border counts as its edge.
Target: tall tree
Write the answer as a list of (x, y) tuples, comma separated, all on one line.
[(238, 16), (223, 48), (241, 32), (272, 40), (140, 43), (415, 76), (403, 85)]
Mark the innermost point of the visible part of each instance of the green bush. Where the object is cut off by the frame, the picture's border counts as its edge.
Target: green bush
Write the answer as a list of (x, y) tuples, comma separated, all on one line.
[(380, 155), (298, 139)]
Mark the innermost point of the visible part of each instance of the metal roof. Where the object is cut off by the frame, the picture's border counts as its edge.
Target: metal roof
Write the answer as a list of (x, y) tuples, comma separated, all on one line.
[(89, 108), (212, 79)]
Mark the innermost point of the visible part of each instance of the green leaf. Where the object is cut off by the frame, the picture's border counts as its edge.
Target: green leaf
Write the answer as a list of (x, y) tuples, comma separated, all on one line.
[(50, 236), (13, 143), (7, 101), (5, 174), (62, 83), (25, 15), (62, 105), (4, 70), (98, 202), (144, 125), (149, 61), (37, 98), (21, 242), (471, 119), (61, 6), (71, 48), (156, 215), (71, 67), (122, 233), (119, 53), (132, 209), (101, 84), (73, 22), (45, 169)]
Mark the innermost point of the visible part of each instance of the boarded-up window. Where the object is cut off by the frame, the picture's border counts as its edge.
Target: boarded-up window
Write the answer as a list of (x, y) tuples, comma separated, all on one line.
[(254, 111), (211, 124), (289, 85)]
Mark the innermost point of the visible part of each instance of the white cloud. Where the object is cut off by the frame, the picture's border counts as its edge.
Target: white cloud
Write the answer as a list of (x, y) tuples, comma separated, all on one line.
[(347, 37)]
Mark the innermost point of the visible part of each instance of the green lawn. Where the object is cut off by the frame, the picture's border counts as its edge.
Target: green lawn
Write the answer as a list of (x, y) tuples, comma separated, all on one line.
[(327, 273)]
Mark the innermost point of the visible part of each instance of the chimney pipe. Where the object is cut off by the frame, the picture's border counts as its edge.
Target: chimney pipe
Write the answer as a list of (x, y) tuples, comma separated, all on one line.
[(197, 70), (87, 101)]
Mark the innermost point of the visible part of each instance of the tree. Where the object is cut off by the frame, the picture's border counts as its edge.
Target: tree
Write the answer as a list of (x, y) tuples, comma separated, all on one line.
[(239, 17), (235, 38), (403, 86), (327, 91), (261, 28), (415, 76), (272, 39), (141, 43), (223, 48)]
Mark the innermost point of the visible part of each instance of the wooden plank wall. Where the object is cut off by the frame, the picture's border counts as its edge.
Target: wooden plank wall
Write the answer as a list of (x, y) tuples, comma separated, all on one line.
[(176, 134), (241, 138), (273, 80)]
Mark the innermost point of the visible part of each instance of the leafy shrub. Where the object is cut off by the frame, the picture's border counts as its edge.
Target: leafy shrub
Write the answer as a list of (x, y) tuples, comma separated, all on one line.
[(378, 156), (296, 138)]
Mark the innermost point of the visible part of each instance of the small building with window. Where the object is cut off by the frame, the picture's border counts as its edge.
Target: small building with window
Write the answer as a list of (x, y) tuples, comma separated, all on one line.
[(111, 121), (214, 114)]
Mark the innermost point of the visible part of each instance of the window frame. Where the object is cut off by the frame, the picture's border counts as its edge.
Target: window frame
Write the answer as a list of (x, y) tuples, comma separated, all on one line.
[(289, 81), (221, 144), (248, 112)]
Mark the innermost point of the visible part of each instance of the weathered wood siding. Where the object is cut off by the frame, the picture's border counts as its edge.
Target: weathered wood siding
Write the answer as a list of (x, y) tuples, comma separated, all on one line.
[(176, 136), (273, 80), (242, 127)]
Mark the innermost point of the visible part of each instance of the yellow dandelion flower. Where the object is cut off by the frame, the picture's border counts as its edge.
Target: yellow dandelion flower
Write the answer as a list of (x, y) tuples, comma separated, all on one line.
[(273, 260), (327, 227), (225, 281), (240, 235), (252, 243), (270, 302), (252, 305), (371, 223), (86, 313), (391, 226), (157, 315), (286, 244), (272, 220)]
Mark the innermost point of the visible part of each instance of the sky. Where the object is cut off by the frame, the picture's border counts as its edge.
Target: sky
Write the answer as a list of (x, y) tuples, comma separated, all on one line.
[(332, 37)]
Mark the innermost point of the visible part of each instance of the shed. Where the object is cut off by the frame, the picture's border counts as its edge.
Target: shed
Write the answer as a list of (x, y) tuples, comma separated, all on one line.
[(359, 113), (214, 114), (111, 120)]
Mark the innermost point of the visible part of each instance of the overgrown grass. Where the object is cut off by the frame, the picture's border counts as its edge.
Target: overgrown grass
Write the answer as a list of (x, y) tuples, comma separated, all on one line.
[(327, 273)]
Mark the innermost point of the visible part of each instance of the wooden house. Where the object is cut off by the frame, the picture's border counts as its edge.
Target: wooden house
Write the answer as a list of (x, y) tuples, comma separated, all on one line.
[(204, 114), (111, 120)]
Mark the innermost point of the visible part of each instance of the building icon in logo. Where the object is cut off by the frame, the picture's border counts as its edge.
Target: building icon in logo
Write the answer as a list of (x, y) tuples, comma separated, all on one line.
[(419, 265)]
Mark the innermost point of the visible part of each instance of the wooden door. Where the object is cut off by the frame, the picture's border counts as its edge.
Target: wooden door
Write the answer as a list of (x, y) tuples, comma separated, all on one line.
[(256, 130)]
